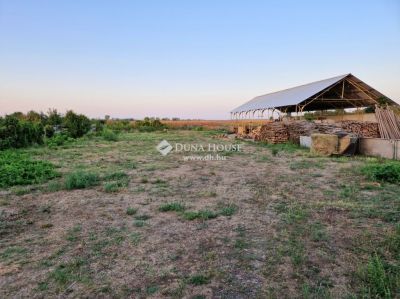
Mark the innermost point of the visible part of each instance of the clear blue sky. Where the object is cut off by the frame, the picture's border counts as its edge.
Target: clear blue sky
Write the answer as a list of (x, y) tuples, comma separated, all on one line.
[(191, 59)]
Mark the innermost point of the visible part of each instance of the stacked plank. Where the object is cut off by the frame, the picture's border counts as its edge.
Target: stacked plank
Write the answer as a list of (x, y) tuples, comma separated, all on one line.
[(361, 128), (389, 123), (275, 132)]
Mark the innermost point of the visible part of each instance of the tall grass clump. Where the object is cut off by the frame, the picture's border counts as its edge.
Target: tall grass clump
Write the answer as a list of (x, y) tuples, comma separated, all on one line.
[(383, 172), (20, 169), (172, 206), (81, 180), (378, 280)]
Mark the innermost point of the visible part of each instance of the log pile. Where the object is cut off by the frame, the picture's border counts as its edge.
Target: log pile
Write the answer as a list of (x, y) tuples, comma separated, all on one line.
[(389, 123), (299, 128), (361, 128), (281, 132), (275, 132)]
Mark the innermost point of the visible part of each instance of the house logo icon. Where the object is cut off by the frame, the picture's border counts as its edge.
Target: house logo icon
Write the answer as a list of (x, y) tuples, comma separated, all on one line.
[(164, 147)]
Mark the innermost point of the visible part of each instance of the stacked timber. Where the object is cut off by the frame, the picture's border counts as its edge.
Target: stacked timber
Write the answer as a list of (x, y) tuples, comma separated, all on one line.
[(361, 128), (281, 132), (275, 132), (389, 123), (299, 128), (255, 133)]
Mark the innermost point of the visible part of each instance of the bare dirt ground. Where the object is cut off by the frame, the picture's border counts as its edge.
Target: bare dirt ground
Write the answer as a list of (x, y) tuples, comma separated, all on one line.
[(266, 223)]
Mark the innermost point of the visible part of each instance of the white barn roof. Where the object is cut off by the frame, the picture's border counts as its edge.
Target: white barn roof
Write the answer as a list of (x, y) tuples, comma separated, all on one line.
[(345, 91)]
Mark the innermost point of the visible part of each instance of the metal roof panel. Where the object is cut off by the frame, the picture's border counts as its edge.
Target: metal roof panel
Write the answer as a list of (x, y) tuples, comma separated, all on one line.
[(288, 97)]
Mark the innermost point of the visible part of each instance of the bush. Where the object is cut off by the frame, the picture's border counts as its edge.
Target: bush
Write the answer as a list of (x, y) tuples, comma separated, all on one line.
[(16, 132), (119, 125), (58, 140), (109, 135), (383, 172), (49, 131), (53, 118), (98, 125), (76, 125), (19, 169), (149, 125), (81, 180)]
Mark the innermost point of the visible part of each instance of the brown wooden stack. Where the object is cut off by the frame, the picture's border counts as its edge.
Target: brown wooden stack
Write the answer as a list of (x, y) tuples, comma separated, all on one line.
[(361, 128), (328, 128), (281, 132), (299, 128), (389, 123), (255, 133), (275, 132)]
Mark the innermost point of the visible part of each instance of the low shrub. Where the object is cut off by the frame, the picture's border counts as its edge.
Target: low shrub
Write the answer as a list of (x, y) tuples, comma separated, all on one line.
[(81, 180), (98, 125), (383, 172), (20, 169), (58, 140), (149, 125), (109, 135), (119, 125)]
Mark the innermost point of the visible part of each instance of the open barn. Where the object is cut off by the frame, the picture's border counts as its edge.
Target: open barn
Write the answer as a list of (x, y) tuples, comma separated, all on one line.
[(336, 106)]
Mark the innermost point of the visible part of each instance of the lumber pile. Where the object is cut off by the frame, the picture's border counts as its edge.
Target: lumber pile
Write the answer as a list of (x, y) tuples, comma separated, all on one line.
[(299, 128), (255, 133), (281, 132), (327, 128), (361, 128), (275, 132), (388, 122)]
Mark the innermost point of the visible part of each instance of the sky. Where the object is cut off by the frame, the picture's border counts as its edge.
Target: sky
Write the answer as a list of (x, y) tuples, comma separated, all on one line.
[(187, 59)]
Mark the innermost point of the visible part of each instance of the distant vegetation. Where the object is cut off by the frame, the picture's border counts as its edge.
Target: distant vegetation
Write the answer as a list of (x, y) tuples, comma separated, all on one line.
[(19, 130)]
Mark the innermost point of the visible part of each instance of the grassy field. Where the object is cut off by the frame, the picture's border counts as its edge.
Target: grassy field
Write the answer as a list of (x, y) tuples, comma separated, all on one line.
[(118, 219)]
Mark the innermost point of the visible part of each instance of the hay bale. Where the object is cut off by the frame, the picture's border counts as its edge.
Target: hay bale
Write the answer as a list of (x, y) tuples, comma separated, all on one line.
[(324, 144)]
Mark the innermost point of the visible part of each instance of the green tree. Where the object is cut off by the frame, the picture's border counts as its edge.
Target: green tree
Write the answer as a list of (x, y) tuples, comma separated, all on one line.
[(76, 125)]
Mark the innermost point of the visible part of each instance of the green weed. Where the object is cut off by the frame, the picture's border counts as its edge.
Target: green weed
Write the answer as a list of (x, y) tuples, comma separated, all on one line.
[(172, 206), (383, 172), (81, 180), (131, 211), (20, 169)]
